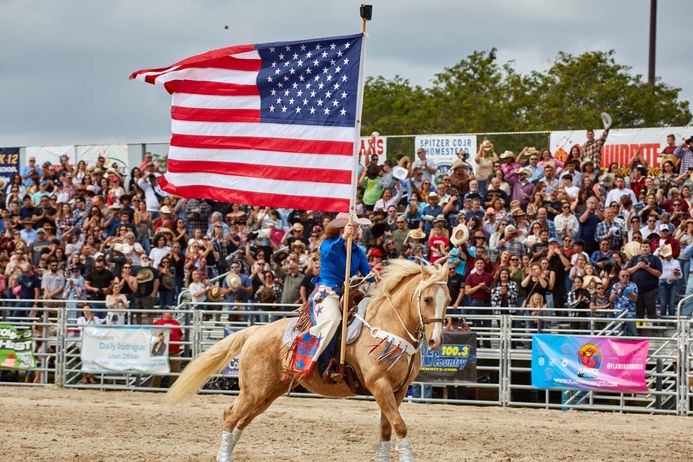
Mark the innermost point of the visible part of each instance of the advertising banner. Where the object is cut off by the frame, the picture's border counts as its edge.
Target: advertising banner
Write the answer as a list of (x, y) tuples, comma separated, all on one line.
[(114, 153), (454, 361), (444, 149), (374, 144), (231, 370), (125, 349), (9, 162), (16, 349), (589, 363), (621, 144), (50, 154)]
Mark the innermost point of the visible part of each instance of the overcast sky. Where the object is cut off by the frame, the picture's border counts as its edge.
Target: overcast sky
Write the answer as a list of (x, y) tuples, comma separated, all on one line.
[(64, 64)]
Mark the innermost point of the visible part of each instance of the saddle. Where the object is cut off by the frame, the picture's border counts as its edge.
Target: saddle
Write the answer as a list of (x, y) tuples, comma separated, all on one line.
[(328, 364)]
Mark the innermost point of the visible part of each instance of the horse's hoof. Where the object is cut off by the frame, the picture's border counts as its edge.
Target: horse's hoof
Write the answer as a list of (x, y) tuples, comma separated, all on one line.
[(382, 452), (404, 450)]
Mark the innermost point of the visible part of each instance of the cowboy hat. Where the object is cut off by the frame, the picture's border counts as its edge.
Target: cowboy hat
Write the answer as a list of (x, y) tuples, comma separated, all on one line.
[(297, 227), (342, 220), (233, 281), (120, 248), (510, 229), (524, 171), (215, 293), (404, 162), (632, 249), (486, 145), (416, 234), (607, 179), (585, 162), (606, 120), (147, 273), (507, 155), (532, 150), (280, 255), (165, 209), (459, 235), (665, 251), (440, 218), (400, 173)]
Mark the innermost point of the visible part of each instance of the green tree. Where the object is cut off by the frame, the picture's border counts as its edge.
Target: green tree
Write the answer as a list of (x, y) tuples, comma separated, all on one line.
[(480, 95), (576, 89)]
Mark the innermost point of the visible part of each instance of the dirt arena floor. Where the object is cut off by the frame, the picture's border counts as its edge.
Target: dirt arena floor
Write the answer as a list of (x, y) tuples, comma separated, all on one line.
[(52, 424)]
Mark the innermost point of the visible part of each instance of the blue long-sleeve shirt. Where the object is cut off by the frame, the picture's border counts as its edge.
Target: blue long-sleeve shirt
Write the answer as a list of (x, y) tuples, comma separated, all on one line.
[(333, 262)]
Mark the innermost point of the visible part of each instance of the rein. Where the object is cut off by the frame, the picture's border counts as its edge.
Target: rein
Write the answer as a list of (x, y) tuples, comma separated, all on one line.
[(418, 292)]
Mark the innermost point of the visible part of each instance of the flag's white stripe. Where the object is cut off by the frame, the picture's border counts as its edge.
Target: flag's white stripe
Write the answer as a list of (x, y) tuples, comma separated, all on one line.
[(210, 74), (252, 54), (261, 185), (275, 159), (144, 75), (215, 102), (266, 130)]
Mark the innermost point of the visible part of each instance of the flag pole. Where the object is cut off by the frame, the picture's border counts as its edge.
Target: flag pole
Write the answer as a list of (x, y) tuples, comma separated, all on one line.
[(366, 15)]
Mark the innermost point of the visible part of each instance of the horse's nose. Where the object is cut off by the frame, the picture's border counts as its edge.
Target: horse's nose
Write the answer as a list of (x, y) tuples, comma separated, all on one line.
[(433, 344)]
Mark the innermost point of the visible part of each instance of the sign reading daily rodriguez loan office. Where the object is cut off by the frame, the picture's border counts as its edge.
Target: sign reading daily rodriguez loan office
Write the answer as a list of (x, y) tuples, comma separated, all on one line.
[(125, 349)]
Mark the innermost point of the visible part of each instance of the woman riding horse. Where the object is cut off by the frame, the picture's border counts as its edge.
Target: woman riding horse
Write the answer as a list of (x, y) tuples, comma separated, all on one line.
[(324, 306), (407, 310)]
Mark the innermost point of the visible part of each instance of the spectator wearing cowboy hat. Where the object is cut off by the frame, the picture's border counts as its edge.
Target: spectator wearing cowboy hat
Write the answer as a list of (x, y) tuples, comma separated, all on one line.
[(414, 237), (296, 232), (509, 167)]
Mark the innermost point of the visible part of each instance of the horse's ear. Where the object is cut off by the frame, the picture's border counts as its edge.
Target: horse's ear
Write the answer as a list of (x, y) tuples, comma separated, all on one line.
[(445, 271), (425, 271)]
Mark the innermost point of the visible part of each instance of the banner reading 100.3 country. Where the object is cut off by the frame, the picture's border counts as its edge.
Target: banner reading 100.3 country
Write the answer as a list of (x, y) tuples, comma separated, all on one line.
[(454, 361), (589, 363)]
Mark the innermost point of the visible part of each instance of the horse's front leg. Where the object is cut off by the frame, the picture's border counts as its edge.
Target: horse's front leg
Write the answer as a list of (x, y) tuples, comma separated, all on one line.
[(382, 453), (389, 407)]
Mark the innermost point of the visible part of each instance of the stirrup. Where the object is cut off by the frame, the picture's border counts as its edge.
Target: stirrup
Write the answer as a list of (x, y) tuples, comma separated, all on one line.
[(330, 376)]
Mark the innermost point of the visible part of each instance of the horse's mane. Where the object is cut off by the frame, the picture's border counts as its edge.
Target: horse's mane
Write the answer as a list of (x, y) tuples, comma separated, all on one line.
[(397, 270)]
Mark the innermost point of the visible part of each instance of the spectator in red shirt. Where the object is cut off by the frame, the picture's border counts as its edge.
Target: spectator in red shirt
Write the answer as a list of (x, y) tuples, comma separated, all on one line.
[(478, 288), (174, 347)]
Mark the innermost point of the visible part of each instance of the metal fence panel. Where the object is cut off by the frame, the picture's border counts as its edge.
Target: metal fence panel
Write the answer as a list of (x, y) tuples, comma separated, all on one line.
[(503, 356)]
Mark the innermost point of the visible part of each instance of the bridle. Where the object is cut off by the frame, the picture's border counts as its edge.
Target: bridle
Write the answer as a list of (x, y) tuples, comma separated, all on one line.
[(420, 330)]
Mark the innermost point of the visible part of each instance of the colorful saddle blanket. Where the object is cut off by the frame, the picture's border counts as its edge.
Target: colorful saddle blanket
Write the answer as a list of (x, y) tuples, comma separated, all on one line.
[(303, 345)]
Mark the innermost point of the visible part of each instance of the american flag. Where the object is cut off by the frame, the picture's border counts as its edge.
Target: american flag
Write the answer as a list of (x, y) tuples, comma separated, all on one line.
[(269, 124)]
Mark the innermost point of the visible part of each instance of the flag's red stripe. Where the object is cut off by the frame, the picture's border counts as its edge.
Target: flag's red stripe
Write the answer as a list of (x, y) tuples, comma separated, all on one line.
[(270, 172), (198, 87), (326, 204), (201, 58), (345, 148), (215, 115)]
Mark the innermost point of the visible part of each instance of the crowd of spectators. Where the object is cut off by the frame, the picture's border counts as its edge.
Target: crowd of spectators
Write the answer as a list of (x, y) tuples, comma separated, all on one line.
[(525, 231)]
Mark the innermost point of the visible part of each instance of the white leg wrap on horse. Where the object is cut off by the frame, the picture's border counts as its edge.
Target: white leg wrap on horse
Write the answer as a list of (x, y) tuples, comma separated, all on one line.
[(404, 450), (382, 452), (228, 442)]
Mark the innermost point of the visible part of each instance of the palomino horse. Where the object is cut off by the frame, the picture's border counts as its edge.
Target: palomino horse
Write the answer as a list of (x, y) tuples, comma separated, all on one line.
[(407, 309)]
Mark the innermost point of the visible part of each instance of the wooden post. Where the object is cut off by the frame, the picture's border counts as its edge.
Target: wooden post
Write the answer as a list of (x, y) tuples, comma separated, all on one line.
[(352, 211), (345, 299)]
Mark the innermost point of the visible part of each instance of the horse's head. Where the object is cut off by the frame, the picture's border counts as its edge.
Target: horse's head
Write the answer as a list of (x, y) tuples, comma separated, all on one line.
[(432, 298)]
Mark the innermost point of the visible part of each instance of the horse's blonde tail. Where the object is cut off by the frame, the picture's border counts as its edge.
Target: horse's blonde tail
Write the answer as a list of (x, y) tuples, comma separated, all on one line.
[(210, 362)]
